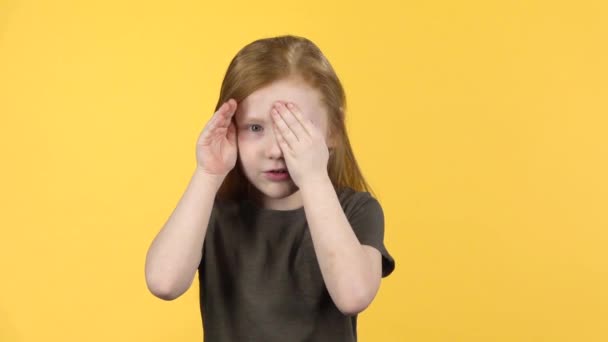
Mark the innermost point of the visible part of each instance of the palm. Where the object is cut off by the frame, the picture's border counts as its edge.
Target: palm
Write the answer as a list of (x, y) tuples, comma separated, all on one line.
[(216, 148)]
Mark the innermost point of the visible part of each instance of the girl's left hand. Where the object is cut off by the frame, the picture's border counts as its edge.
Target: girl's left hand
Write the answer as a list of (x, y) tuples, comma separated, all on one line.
[(303, 144)]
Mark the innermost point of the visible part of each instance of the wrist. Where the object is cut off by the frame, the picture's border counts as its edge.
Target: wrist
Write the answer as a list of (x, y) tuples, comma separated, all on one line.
[(314, 182), (211, 180)]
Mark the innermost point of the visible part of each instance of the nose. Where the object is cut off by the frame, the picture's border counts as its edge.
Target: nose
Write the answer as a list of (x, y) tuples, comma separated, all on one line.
[(273, 150)]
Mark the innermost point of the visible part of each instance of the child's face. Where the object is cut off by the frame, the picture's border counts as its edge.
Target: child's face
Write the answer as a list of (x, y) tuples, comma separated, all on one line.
[(258, 148)]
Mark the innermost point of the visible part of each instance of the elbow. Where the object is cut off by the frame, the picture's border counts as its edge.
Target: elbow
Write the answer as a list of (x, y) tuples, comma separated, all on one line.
[(163, 293), (162, 288), (353, 306), (352, 310), (356, 302)]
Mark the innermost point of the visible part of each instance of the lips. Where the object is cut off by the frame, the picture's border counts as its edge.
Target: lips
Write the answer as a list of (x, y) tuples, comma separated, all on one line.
[(277, 175), (278, 171)]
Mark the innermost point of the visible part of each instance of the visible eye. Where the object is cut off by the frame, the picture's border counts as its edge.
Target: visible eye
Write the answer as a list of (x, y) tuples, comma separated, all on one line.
[(252, 127)]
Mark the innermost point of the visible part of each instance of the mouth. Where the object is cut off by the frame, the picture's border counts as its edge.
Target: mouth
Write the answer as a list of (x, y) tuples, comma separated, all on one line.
[(278, 175), (278, 171)]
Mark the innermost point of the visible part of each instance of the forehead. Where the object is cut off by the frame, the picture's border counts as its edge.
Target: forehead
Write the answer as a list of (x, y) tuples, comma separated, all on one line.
[(259, 103)]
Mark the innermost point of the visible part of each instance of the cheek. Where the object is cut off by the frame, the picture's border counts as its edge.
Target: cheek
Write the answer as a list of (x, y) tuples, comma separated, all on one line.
[(247, 146), (245, 159), (245, 141)]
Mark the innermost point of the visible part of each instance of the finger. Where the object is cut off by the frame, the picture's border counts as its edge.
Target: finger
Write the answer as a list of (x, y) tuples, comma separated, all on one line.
[(283, 144), (292, 122), (233, 105), (224, 114), (305, 123), (218, 115), (230, 108), (282, 129)]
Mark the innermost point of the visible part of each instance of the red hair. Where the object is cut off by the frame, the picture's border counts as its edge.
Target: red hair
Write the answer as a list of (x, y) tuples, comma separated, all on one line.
[(271, 59)]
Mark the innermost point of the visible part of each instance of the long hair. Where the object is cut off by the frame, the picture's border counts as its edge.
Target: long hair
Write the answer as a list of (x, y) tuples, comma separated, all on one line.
[(271, 59)]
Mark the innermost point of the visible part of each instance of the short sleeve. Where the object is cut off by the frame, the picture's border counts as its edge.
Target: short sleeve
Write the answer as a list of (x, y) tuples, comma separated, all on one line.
[(366, 218)]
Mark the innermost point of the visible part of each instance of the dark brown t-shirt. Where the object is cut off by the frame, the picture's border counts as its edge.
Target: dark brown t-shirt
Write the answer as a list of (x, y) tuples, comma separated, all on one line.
[(260, 279)]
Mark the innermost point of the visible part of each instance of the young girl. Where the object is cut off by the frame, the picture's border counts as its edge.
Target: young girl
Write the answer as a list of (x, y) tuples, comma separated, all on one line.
[(277, 218)]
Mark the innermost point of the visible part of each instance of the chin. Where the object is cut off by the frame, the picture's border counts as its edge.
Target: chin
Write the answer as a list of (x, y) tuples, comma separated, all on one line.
[(277, 190)]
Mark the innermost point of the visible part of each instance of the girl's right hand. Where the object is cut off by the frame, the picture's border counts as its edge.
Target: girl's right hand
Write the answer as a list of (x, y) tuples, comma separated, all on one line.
[(216, 148)]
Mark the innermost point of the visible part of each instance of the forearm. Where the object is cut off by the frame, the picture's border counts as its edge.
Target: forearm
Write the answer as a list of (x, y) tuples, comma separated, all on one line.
[(175, 253), (343, 262)]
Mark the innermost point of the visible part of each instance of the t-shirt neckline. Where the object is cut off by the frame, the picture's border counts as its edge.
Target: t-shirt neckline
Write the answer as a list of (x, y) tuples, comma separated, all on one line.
[(266, 211)]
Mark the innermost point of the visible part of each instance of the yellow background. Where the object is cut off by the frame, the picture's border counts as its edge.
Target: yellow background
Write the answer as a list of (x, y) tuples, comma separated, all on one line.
[(482, 126)]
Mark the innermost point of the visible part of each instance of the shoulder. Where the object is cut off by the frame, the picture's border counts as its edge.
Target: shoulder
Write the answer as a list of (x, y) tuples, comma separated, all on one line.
[(226, 206), (366, 218), (224, 210), (354, 201)]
